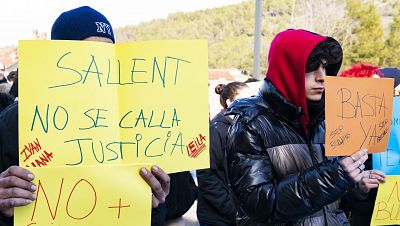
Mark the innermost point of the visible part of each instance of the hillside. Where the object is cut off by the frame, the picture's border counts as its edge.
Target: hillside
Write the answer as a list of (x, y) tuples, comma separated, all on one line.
[(230, 30)]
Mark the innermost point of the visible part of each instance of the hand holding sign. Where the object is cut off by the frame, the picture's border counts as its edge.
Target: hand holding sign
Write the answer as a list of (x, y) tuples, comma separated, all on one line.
[(159, 181), (15, 189), (354, 165), (371, 179)]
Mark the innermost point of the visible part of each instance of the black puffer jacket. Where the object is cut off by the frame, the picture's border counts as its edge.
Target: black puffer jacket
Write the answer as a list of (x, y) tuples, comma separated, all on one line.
[(278, 175), (214, 204)]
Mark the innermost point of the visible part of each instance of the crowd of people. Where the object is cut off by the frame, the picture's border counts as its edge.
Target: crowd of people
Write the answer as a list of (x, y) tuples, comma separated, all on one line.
[(267, 152)]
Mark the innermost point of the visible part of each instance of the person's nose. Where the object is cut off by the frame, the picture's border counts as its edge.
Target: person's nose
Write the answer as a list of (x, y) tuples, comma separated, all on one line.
[(320, 75)]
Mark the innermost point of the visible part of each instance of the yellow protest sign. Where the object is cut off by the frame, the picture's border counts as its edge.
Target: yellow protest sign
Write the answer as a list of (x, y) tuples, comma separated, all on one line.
[(358, 114), (85, 195), (387, 203), (88, 103)]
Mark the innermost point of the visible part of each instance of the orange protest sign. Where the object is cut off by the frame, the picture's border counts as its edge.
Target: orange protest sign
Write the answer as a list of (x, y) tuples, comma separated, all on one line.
[(358, 114)]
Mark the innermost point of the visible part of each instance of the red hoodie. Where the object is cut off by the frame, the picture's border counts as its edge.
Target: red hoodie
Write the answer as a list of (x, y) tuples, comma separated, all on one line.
[(287, 60)]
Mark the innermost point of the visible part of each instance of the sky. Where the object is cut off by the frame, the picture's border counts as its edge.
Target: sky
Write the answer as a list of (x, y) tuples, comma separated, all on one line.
[(19, 17)]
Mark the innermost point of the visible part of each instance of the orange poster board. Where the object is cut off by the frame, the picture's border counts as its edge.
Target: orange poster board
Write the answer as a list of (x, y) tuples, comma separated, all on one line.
[(358, 114)]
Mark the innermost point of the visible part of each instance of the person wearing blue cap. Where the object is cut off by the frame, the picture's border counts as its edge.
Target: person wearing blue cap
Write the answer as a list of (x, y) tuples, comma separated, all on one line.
[(16, 187), (83, 23), (392, 72)]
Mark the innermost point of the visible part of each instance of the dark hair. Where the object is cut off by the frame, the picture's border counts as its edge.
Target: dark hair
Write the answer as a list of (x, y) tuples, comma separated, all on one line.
[(229, 91), (12, 75), (328, 50), (251, 80), (14, 88)]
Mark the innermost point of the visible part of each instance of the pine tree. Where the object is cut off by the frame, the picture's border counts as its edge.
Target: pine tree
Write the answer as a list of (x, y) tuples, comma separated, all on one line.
[(393, 40), (367, 43)]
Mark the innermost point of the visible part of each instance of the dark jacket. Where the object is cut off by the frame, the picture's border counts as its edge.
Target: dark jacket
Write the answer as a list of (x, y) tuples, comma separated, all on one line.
[(360, 206), (9, 136), (183, 193), (277, 167), (4, 80), (8, 145), (5, 100), (215, 205), (278, 174)]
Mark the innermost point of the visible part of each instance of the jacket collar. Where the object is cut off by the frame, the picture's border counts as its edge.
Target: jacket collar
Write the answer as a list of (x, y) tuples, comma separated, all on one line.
[(279, 105), (221, 118)]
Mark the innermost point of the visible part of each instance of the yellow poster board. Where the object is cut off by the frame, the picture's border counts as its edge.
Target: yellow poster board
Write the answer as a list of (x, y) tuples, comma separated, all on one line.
[(89, 103), (107, 195), (358, 114), (387, 203)]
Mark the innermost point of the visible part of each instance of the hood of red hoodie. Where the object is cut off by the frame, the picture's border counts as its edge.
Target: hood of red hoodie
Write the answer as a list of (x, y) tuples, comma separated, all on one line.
[(287, 60)]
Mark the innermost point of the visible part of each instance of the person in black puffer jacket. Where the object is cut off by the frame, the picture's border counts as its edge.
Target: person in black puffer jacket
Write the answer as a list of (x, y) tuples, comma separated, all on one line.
[(277, 168), (215, 206)]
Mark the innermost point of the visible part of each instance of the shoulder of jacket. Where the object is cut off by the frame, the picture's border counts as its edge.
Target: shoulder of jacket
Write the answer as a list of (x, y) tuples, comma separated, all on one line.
[(253, 113)]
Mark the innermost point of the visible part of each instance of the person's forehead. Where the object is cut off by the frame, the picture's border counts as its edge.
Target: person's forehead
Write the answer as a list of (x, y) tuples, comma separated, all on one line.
[(98, 39)]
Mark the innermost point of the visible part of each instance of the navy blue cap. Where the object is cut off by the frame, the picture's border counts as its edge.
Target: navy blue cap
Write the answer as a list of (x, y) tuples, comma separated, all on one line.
[(392, 72), (81, 23)]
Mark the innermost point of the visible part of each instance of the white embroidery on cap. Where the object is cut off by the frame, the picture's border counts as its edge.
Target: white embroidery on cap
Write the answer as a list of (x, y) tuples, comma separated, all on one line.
[(103, 28)]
